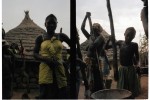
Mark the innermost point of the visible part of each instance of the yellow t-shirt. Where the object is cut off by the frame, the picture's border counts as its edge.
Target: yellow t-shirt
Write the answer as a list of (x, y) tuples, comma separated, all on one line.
[(52, 48)]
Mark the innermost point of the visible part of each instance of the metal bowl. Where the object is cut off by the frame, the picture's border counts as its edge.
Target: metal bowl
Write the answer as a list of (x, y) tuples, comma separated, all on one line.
[(111, 94)]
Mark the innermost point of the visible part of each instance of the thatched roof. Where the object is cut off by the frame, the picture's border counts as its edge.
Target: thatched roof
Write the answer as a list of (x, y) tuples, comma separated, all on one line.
[(27, 31)]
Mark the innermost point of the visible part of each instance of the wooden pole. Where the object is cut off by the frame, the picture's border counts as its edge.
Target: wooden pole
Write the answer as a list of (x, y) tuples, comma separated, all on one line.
[(78, 46), (61, 30), (115, 63), (73, 49)]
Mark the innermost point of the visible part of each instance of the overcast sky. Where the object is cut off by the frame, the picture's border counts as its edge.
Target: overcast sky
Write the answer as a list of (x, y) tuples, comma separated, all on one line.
[(13, 12), (126, 13)]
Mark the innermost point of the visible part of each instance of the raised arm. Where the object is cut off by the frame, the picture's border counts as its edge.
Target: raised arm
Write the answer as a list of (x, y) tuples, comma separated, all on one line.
[(87, 35)]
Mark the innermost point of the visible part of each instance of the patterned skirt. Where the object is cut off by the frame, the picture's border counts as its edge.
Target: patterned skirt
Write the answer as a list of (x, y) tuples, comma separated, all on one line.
[(128, 79)]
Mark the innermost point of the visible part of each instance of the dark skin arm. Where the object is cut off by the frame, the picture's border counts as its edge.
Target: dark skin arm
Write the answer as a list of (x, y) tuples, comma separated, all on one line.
[(38, 42), (136, 60), (64, 38), (136, 54), (107, 46), (87, 35)]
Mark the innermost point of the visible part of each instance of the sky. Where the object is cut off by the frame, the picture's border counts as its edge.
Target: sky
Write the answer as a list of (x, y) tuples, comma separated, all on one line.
[(126, 13), (13, 13)]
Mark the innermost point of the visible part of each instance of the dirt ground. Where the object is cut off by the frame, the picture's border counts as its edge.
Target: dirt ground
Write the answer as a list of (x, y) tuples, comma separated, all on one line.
[(144, 88)]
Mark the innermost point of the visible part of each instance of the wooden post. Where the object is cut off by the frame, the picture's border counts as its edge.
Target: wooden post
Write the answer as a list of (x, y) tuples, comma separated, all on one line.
[(115, 63), (78, 45), (73, 50), (61, 30)]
